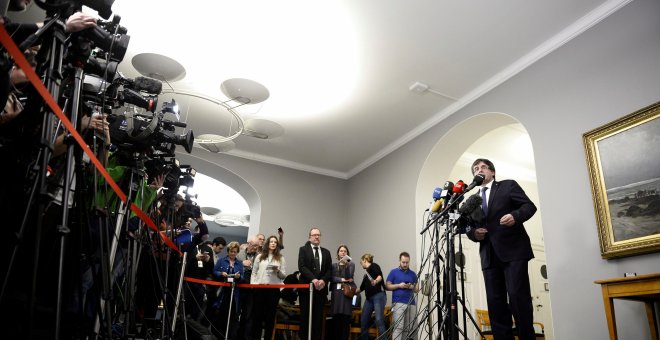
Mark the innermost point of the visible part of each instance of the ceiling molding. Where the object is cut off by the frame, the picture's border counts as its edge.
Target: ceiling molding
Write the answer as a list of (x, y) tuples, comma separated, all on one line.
[(558, 40), (287, 164)]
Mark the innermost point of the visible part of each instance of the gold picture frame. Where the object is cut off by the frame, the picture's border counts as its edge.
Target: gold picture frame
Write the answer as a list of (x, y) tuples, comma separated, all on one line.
[(623, 157)]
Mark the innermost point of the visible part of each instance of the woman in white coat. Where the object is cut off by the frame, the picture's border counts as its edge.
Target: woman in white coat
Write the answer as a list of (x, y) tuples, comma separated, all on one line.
[(269, 268)]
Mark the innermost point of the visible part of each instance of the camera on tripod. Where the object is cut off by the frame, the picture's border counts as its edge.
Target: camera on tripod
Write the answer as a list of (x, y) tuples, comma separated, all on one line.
[(143, 132)]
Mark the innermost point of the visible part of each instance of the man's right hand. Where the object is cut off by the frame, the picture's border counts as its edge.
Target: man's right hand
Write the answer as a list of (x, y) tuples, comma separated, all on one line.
[(480, 233), (247, 263)]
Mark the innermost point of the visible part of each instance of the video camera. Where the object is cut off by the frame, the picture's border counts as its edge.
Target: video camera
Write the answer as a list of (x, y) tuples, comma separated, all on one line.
[(140, 132), (190, 209)]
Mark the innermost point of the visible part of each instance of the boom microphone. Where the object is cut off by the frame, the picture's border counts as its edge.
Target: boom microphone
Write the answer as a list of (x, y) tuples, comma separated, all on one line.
[(478, 179)]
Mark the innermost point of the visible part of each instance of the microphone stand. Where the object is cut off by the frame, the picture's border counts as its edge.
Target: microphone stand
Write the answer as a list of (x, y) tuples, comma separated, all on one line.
[(451, 331)]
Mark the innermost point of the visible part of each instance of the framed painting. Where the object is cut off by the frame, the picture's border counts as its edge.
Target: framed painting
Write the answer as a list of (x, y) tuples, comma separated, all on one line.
[(623, 158)]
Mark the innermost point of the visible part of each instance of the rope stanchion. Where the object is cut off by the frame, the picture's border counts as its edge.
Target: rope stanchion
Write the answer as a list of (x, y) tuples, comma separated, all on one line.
[(22, 62), (231, 301), (309, 318)]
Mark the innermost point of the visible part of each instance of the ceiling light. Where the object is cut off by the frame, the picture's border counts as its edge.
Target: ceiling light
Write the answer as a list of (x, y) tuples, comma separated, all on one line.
[(158, 66), (210, 211), (262, 128), (244, 91)]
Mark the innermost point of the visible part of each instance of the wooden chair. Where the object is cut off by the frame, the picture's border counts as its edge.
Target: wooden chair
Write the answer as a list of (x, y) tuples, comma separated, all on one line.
[(291, 325), (355, 328), (484, 325), (287, 326)]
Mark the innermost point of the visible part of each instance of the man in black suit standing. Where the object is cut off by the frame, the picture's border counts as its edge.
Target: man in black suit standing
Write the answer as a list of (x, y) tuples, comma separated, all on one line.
[(505, 250), (314, 264)]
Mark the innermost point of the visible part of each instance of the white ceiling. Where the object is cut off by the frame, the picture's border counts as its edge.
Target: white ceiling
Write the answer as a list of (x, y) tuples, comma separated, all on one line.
[(339, 72)]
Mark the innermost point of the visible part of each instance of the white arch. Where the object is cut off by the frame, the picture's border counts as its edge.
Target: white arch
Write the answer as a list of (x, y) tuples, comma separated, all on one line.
[(231, 179), (448, 158)]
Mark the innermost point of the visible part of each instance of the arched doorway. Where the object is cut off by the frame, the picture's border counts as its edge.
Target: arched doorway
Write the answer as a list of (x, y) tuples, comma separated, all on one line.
[(505, 141), (232, 180)]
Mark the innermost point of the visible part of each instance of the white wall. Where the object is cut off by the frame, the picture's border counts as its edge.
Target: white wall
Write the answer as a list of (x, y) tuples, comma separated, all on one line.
[(609, 71)]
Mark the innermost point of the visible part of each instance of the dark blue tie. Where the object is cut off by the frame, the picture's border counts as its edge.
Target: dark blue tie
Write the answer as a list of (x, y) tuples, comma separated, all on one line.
[(484, 205)]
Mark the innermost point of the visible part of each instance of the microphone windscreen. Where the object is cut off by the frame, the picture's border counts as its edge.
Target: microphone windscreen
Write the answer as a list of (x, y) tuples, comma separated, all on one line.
[(459, 187), (437, 205), (473, 202), (472, 210), (449, 187), (437, 193), (150, 85)]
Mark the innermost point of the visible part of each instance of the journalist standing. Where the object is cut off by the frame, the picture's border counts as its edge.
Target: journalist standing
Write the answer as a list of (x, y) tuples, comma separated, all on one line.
[(505, 250), (374, 291), (269, 268), (228, 269), (315, 265), (402, 281), (341, 306)]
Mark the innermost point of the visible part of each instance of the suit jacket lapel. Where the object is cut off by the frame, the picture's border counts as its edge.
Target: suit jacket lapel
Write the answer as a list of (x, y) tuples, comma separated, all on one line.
[(491, 196)]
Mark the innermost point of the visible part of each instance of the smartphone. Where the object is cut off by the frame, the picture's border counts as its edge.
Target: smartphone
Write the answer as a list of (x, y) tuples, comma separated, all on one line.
[(279, 230)]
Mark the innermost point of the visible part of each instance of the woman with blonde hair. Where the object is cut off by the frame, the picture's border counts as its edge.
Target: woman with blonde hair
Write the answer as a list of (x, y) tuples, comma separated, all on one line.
[(374, 289), (228, 269), (269, 268)]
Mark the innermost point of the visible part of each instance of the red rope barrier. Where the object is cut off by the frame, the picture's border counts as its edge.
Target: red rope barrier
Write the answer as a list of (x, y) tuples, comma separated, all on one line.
[(247, 285)]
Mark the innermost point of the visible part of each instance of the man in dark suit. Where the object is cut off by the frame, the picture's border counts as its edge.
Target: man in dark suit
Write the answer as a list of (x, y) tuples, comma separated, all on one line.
[(315, 266), (505, 250)]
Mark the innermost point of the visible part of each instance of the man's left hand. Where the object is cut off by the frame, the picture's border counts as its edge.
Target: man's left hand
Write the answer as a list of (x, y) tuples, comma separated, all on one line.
[(507, 220), (79, 21)]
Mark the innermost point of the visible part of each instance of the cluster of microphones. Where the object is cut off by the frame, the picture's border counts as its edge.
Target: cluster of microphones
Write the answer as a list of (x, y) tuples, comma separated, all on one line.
[(447, 199)]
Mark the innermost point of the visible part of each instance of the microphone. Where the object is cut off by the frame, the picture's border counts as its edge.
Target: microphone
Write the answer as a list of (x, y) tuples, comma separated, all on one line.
[(478, 179), (472, 210), (437, 205), (448, 188), (457, 196), (437, 193), (437, 200), (473, 202), (459, 187)]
